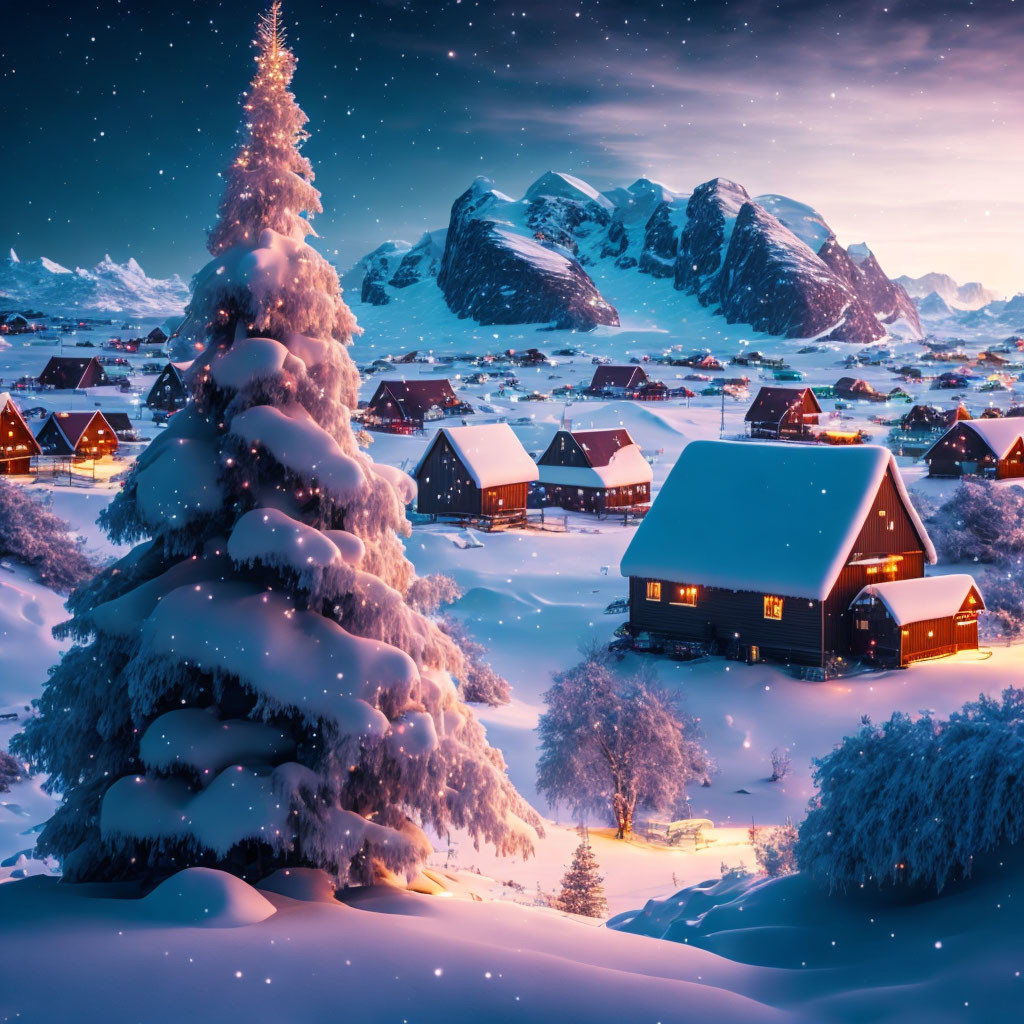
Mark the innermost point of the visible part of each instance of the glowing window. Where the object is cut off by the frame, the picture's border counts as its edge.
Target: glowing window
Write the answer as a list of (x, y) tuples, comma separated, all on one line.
[(685, 596), (772, 607), (653, 590)]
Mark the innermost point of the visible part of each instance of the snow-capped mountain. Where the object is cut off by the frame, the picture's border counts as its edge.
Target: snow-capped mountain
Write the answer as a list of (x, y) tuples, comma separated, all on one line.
[(108, 287), (770, 261), (957, 296)]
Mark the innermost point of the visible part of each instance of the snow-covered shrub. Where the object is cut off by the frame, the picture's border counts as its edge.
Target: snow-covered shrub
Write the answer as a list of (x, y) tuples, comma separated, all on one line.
[(1004, 601), (582, 892), (981, 522), (775, 848), (614, 743), (32, 534), (478, 682), (913, 802), (780, 764), (429, 593), (250, 688), (10, 771)]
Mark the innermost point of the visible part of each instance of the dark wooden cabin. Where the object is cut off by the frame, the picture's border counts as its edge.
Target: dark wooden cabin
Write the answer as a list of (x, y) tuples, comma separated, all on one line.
[(898, 623), (983, 447), (592, 471), (618, 380), (856, 389), (927, 418), (168, 390), (783, 413), (758, 549), (157, 336), (122, 426), (475, 473), (17, 443), (78, 435), (403, 406), (69, 373)]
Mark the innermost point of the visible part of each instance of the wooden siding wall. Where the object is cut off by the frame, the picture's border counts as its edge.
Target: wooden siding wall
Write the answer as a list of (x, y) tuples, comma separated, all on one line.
[(98, 440), (1013, 464), (892, 647), (959, 445), (446, 487), (721, 616), (595, 499)]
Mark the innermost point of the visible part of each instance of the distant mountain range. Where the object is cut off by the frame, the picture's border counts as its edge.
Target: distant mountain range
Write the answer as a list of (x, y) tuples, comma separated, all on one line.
[(956, 296), (108, 287), (768, 261)]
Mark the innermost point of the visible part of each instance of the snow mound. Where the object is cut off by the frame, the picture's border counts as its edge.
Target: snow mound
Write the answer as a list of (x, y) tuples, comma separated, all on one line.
[(203, 896)]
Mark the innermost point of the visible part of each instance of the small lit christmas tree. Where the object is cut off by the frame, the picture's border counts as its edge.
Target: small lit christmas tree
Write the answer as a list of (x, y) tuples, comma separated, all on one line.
[(582, 892)]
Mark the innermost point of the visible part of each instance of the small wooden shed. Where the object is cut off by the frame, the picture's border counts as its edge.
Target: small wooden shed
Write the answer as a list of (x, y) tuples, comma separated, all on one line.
[(903, 621), (17, 443), (982, 447), (475, 473), (593, 471), (69, 373), (783, 413), (79, 435)]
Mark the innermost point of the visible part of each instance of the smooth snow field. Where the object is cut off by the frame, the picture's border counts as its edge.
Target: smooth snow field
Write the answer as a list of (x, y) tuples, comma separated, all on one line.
[(207, 946)]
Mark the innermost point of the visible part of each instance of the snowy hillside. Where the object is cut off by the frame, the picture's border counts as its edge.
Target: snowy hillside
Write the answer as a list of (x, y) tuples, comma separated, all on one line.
[(548, 257), (108, 287)]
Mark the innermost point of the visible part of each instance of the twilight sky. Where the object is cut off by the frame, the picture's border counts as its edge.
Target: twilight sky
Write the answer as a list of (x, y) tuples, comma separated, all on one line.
[(902, 122)]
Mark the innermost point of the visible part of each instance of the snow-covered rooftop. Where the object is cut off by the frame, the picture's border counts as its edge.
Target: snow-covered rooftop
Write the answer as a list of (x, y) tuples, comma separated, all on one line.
[(491, 452), (778, 518), (931, 597), (625, 468)]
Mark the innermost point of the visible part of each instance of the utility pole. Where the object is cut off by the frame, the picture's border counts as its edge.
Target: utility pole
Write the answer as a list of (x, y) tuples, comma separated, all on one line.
[(721, 428)]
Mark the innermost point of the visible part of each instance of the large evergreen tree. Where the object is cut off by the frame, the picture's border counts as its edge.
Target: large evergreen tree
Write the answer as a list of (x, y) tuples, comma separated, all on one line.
[(249, 688)]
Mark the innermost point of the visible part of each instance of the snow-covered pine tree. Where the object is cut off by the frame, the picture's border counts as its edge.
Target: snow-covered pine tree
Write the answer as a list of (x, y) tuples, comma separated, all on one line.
[(582, 892), (249, 687)]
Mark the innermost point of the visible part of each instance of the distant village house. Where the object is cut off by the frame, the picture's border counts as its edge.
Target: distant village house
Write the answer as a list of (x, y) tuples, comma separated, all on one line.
[(593, 471), (77, 435), (618, 381), (73, 373), (783, 413), (168, 390), (403, 406), (982, 447)]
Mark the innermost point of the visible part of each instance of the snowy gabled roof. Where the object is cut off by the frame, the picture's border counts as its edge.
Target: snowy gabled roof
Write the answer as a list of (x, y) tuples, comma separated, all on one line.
[(491, 453), (999, 434), (770, 517), (614, 458), (930, 597)]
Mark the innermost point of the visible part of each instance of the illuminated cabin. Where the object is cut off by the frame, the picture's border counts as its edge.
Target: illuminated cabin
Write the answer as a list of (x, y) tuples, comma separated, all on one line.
[(759, 549), (17, 443), (403, 406), (168, 391), (898, 623), (783, 413), (592, 471), (983, 447), (475, 473), (928, 419), (78, 435), (70, 373)]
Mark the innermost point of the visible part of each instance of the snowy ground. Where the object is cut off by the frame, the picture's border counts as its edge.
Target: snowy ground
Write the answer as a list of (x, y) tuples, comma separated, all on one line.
[(531, 598)]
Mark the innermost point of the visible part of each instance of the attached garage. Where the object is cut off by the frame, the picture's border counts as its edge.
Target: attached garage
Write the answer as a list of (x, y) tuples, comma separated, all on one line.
[(903, 621)]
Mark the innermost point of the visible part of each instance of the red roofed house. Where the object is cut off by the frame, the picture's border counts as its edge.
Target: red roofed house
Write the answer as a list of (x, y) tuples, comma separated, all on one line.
[(593, 471), (17, 445), (783, 413), (475, 472), (983, 447), (80, 435), (618, 381), (403, 406), (68, 373)]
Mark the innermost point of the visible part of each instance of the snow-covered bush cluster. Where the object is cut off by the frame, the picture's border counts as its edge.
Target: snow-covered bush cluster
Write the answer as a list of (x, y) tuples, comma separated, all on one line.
[(478, 682), (250, 688), (775, 848), (618, 744), (10, 771), (984, 522), (914, 802), (32, 534)]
